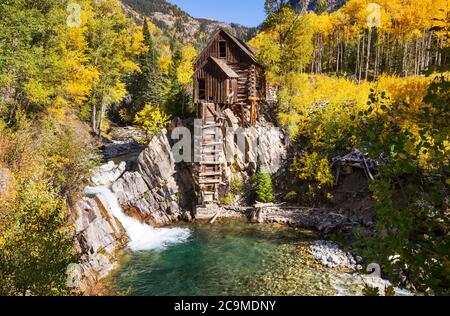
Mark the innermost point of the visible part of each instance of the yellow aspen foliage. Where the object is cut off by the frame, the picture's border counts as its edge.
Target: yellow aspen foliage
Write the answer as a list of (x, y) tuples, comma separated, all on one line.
[(152, 120), (165, 59), (185, 70)]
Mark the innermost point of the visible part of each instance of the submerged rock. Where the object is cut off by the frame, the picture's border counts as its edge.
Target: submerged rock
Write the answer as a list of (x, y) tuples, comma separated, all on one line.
[(331, 255)]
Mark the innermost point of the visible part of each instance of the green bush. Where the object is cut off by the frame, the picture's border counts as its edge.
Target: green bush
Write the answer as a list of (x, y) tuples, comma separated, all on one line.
[(38, 244), (263, 187), (228, 199)]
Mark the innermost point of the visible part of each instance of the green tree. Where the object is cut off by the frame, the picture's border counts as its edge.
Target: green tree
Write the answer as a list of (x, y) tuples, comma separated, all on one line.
[(179, 100), (410, 189), (262, 183), (147, 86), (38, 244)]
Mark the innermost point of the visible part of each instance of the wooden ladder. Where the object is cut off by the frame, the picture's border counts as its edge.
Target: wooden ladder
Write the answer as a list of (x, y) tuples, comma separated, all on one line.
[(208, 167)]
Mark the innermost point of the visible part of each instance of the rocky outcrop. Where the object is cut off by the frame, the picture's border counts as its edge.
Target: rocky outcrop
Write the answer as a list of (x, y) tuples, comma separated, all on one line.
[(99, 238), (151, 191), (108, 173), (148, 191), (323, 220), (125, 141), (188, 29), (264, 146)]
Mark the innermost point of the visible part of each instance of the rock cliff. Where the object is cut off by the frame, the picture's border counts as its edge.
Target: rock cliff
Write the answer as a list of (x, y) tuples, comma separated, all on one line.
[(146, 189), (99, 236), (150, 191)]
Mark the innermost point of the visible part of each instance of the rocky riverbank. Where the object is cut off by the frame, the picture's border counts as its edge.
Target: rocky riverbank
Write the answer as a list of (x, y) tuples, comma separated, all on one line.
[(154, 190)]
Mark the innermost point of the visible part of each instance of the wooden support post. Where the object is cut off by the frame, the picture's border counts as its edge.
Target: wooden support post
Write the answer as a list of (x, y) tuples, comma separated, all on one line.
[(253, 111)]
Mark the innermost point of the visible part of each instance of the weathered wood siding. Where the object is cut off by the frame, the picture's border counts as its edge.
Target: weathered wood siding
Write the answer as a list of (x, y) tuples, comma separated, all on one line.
[(215, 79)]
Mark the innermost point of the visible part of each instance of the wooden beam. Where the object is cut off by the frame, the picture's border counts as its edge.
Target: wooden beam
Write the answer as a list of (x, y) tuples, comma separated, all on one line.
[(210, 181), (210, 174), (210, 163)]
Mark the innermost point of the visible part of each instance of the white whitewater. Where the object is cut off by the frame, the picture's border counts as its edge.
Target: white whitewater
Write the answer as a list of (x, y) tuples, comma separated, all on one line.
[(142, 236)]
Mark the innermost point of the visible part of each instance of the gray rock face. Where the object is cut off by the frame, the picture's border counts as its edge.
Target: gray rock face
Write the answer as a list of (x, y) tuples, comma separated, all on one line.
[(264, 145), (331, 255), (99, 237), (126, 140), (323, 220), (108, 173), (151, 191)]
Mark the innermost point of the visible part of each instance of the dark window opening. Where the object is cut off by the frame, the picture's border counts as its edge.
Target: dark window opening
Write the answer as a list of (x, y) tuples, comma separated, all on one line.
[(201, 89), (222, 49), (259, 83)]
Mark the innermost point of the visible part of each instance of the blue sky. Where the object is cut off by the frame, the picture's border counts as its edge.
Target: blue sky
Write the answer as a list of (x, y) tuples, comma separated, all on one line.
[(245, 12)]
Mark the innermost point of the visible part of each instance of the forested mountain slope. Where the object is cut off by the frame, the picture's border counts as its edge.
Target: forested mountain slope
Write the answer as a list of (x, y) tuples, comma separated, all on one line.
[(180, 26), (317, 5)]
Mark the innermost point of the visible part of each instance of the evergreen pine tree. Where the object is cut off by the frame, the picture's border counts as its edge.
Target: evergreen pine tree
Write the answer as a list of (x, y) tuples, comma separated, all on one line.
[(147, 86), (263, 187), (177, 99)]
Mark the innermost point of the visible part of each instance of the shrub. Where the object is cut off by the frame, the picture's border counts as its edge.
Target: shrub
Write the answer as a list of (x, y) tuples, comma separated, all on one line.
[(228, 199), (38, 245), (315, 169), (263, 187), (410, 189), (151, 120)]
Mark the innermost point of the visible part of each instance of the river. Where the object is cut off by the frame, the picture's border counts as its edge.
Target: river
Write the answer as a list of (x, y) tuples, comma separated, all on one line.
[(227, 258)]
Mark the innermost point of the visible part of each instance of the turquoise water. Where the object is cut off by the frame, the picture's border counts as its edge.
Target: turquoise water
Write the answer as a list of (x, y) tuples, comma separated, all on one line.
[(228, 258)]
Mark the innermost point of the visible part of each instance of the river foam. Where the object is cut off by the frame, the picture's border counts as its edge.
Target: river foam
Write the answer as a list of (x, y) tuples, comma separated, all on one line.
[(142, 236)]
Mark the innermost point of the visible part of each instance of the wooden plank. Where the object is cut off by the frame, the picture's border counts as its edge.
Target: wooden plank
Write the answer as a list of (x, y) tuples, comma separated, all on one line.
[(210, 181), (212, 125), (210, 174), (210, 163)]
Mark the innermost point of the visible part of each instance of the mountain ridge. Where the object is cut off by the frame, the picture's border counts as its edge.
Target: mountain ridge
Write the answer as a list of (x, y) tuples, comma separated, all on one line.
[(180, 26)]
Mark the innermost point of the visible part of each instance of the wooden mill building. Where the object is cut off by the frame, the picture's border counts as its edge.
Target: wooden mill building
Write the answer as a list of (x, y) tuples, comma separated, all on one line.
[(227, 75)]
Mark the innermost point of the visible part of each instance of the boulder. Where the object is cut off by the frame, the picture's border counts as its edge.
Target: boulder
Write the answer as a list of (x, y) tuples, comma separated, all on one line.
[(108, 173)]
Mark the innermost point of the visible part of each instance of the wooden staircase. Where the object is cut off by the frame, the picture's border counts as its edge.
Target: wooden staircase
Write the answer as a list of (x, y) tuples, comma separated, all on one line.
[(208, 166)]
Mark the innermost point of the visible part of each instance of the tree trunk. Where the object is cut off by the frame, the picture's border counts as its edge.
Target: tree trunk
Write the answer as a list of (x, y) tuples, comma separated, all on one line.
[(94, 118), (361, 60), (368, 52), (357, 63), (102, 115), (405, 60)]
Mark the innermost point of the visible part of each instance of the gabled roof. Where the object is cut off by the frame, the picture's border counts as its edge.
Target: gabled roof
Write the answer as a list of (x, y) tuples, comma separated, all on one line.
[(241, 44), (224, 67)]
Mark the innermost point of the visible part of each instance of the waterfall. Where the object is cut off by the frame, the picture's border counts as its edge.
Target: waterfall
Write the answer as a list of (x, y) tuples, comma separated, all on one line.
[(142, 236)]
